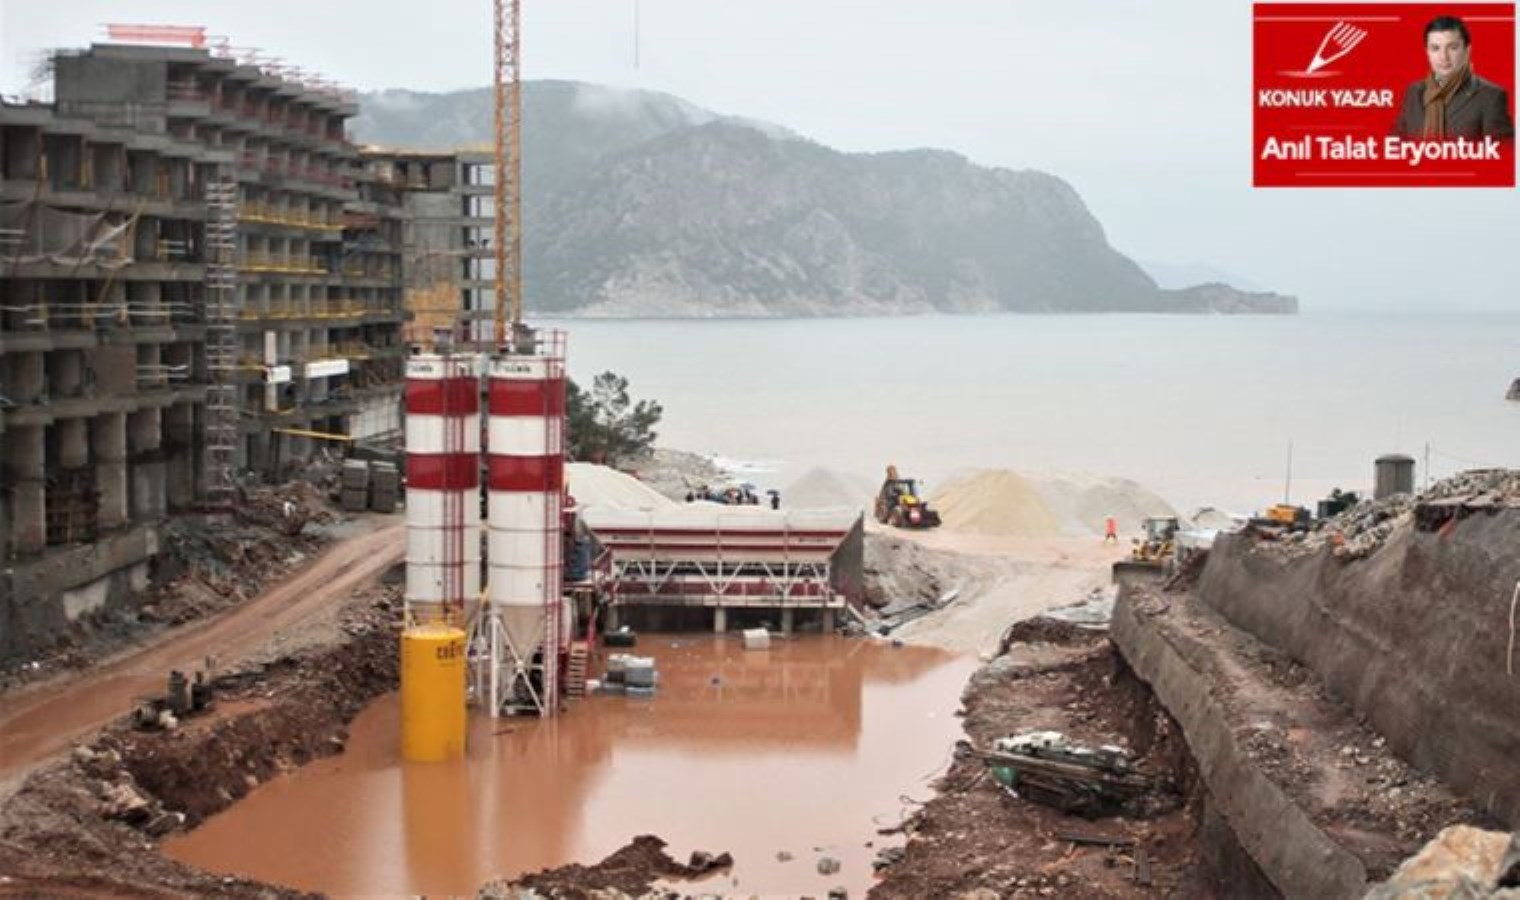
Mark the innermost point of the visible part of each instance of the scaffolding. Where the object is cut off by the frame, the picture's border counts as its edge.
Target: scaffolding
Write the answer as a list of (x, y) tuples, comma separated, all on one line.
[(222, 313)]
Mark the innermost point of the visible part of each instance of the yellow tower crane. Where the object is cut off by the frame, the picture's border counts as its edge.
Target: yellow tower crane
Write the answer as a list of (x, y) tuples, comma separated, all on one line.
[(508, 180)]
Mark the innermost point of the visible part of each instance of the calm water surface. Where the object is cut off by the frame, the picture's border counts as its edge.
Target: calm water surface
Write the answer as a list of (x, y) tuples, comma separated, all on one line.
[(805, 748), (1200, 408)]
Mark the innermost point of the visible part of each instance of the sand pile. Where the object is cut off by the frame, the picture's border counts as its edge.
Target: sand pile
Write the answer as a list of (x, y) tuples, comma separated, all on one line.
[(1082, 502), (599, 486), (1012, 504), (996, 502), (824, 488), (1212, 517)]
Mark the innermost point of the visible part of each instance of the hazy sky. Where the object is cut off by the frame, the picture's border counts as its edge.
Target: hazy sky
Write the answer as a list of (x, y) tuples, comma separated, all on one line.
[(1145, 107)]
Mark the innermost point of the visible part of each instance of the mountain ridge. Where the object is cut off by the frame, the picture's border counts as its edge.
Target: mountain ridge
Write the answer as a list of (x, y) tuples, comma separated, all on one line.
[(639, 204)]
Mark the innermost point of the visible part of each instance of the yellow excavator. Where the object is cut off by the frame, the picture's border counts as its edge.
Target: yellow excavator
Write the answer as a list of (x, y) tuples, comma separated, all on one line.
[(899, 504)]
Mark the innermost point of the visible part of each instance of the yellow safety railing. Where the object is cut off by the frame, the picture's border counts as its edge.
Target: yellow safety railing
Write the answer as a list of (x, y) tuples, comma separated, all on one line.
[(281, 264), (252, 211), (378, 271)]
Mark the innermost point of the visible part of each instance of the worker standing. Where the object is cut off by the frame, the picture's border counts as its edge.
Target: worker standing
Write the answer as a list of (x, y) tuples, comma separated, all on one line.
[(1110, 530)]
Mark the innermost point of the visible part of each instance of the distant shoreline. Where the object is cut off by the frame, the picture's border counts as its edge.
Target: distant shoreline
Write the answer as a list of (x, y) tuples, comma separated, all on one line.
[(565, 315)]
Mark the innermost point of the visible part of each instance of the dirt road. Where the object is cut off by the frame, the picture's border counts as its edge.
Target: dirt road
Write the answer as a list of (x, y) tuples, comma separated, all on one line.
[(1022, 578), (39, 721)]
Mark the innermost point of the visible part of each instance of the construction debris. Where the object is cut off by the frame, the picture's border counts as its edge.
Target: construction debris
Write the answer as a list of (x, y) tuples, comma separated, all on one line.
[(973, 839), (1049, 768), (208, 566), (757, 639), (1361, 530), (634, 676), (286, 508), (183, 698)]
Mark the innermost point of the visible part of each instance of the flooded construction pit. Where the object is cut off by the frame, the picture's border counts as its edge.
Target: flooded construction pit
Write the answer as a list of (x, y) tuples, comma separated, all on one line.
[(780, 757)]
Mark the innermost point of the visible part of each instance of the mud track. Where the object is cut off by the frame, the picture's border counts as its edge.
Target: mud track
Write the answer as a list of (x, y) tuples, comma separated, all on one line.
[(42, 720)]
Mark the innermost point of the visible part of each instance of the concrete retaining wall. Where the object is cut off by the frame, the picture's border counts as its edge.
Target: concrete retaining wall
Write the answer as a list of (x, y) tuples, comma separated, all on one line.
[(1289, 849), (41, 600), (1415, 638)]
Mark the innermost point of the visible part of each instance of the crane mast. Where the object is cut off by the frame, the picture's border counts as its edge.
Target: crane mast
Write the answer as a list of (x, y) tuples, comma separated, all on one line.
[(507, 215)]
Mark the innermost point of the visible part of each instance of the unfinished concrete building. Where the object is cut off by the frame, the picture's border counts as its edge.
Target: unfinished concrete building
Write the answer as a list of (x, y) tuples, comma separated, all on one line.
[(448, 211), (316, 292), (196, 277), (102, 274)]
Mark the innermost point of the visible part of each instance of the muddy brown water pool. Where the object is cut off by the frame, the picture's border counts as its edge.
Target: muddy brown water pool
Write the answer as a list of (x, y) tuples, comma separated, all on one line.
[(805, 749)]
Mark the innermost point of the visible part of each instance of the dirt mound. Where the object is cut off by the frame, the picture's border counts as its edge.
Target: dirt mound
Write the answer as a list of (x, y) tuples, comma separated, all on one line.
[(1044, 630), (903, 573), (272, 719), (1083, 502), (997, 502), (820, 488), (630, 871)]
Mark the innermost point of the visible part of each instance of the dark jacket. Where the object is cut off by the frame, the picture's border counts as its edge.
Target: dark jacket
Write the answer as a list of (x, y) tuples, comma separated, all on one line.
[(1480, 109)]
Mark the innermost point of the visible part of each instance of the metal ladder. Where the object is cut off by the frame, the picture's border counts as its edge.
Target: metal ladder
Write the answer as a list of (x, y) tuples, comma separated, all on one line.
[(575, 673), (219, 461)]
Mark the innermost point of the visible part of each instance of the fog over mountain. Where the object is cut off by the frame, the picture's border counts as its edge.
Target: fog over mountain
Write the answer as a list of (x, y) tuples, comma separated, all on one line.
[(641, 204)]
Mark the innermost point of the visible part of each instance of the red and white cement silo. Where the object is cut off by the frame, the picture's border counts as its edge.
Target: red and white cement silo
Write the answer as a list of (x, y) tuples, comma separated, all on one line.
[(442, 489), (525, 462)]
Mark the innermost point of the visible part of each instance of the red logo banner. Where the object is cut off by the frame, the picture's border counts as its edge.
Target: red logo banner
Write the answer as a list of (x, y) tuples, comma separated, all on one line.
[(1384, 95)]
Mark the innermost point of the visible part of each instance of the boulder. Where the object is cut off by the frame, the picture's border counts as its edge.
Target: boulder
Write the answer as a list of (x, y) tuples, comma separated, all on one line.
[(1461, 861)]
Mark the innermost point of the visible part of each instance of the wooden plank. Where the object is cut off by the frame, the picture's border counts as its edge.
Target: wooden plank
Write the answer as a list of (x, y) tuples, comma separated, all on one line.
[(1099, 840)]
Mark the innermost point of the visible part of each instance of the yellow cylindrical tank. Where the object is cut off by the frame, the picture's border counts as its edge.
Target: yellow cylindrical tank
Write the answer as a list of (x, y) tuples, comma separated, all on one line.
[(432, 693)]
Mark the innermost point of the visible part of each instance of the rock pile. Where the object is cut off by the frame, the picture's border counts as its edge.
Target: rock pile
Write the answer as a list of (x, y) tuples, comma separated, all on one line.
[(1361, 530)]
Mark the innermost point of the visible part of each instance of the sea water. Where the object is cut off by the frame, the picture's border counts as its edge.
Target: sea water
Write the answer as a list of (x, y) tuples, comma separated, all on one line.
[(1201, 409)]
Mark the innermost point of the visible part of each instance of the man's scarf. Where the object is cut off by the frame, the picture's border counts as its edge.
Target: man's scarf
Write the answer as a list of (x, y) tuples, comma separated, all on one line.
[(1436, 96)]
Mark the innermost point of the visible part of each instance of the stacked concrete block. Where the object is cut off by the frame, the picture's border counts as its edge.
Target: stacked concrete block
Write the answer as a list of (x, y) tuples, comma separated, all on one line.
[(355, 486), (384, 487)]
